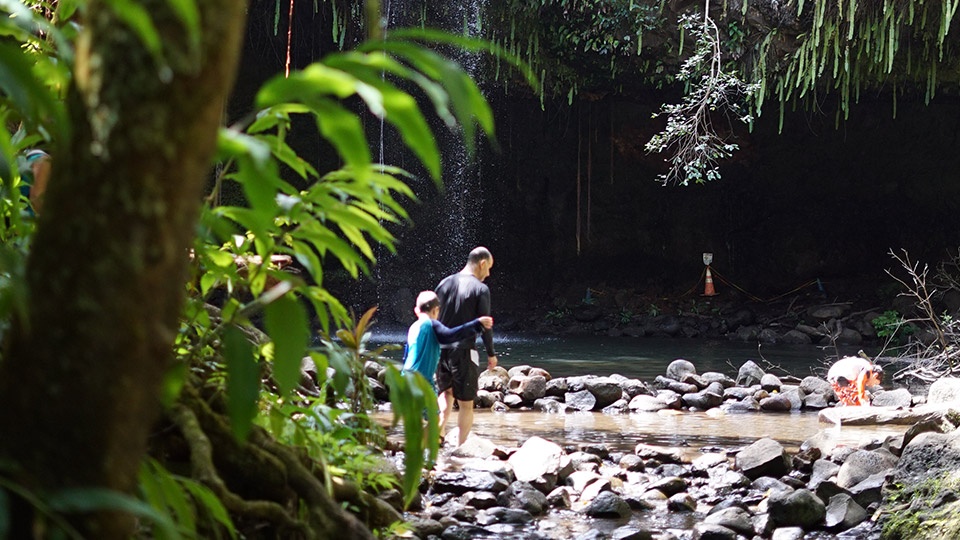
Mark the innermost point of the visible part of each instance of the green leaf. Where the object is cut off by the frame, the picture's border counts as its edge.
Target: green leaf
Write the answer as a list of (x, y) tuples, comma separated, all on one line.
[(243, 381), (85, 500), (36, 103), (287, 325), (213, 506)]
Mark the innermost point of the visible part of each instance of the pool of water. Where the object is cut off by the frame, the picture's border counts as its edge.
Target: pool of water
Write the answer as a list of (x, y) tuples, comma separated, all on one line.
[(645, 359)]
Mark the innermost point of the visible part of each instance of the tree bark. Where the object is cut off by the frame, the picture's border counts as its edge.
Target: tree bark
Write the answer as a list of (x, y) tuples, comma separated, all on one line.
[(81, 376)]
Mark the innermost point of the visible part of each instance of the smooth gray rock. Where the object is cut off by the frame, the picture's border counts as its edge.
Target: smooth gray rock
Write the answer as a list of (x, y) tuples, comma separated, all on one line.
[(765, 457)]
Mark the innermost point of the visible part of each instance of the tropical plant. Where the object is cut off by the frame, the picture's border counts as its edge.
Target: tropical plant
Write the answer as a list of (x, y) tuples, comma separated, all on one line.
[(98, 309)]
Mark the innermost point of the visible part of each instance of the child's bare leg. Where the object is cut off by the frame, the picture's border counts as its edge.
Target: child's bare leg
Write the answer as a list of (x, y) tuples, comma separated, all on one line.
[(445, 404)]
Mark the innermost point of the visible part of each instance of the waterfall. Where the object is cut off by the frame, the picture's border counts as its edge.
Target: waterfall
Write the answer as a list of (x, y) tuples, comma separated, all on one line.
[(446, 225)]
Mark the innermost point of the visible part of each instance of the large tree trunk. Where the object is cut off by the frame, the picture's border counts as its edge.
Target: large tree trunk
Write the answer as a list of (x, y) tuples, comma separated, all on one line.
[(80, 383)]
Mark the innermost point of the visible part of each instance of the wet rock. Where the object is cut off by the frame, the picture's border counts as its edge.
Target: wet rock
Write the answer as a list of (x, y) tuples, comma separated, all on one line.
[(776, 403), (702, 400), (559, 497), (605, 390), (724, 380), (581, 401), (770, 382), (670, 486), (495, 380), (679, 368), (734, 518), (632, 463), (787, 533), (749, 374), (682, 502), (536, 457), (658, 453), (800, 508), (480, 500), (827, 312), (870, 489), (524, 496), (765, 457), (823, 470), (597, 487), (527, 387), (694, 379), (592, 534), (737, 392), (711, 531), (557, 387), (816, 385), (843, 513), (513, 401), (670, 398), (424, 527), (609, 505), (899, 398), (816, 401), (500, 515), (944, 390), (631, 387), (768, 336), (550, 406), (461, 482), (486, 398), (796, 337), (849, 336), (729, 480), (863, 463), (579, 480), (630, 533), (675, 385), (645, 403), (709, 462), (464, 532)]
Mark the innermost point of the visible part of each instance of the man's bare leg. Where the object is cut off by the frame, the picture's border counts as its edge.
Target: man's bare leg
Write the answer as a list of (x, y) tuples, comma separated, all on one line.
[(465, 419)]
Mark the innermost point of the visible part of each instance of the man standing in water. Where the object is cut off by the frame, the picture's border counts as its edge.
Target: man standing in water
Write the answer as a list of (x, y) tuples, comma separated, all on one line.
[(464, 297)]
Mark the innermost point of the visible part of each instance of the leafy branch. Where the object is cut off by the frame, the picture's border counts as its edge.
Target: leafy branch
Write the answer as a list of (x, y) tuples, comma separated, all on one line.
[(690, 135)]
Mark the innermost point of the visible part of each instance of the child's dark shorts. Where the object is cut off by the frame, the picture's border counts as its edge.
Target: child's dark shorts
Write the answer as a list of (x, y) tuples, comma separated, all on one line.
[(456, 370)]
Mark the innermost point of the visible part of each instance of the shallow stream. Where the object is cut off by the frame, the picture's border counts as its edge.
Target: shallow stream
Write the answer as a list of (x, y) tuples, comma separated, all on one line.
[(645, 359)]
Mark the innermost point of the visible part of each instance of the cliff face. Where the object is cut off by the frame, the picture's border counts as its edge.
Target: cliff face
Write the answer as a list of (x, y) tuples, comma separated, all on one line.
[(568, 197)]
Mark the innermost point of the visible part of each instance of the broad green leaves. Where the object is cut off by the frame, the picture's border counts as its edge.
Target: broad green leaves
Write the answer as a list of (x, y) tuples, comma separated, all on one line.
[(340, 214)]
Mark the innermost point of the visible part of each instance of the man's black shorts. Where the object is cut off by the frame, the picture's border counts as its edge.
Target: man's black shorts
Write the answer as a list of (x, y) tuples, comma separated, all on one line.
[(456, 370)]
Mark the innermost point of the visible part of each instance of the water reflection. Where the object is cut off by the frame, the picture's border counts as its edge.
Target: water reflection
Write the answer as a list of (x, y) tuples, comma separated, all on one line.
[(691, 430), (646, 358)]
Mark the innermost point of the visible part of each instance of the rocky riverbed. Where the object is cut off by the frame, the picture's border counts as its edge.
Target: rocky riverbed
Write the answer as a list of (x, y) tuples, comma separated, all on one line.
[(541, 489)]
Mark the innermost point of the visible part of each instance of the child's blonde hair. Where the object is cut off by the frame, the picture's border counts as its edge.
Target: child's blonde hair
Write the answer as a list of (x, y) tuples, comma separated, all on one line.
[(427, 300)]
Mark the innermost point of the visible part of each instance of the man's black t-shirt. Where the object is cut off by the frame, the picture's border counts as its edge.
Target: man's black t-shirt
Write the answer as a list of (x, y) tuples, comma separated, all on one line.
[(463, 298)]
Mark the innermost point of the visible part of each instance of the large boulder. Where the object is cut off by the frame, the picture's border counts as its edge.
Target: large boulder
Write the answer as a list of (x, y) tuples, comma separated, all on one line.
[(535, 458), (843, 513), (749, 374), (679, 368), (524, 496), (944, 390), (863, 463), (765, 457), (529, 388), (494, 380), (605, 390), (800, 508)]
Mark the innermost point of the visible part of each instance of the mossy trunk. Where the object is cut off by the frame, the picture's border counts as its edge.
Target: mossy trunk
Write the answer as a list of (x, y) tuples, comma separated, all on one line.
[(81, 377)]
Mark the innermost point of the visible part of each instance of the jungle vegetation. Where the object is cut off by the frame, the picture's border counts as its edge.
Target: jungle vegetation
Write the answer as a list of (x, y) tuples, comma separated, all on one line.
[(153, 349), (161, 375)]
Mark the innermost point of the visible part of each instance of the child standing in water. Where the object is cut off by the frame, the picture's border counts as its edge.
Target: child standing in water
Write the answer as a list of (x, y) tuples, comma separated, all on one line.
[(422, 350)]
